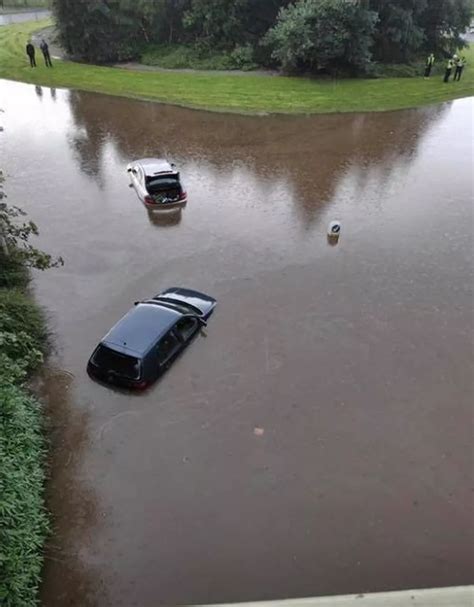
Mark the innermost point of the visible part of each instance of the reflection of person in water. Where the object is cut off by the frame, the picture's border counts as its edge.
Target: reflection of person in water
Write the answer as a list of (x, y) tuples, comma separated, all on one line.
[(53, 93), (39, 91)]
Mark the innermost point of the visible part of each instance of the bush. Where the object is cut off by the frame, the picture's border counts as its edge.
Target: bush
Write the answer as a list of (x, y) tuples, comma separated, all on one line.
[(242, 58), (18, 314), (199, 56), (13, 272), (324, 35), (23, 520), (399, 70)]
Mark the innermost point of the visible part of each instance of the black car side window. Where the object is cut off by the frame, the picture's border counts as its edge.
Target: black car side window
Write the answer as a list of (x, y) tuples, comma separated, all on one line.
[(166, 348), (186, 327)]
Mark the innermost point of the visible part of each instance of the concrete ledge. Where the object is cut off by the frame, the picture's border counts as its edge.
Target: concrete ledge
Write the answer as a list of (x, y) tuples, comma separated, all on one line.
[(461, 596)]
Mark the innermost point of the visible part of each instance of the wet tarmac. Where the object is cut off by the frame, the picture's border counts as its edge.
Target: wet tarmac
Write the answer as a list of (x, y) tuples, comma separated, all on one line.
[(317, 439), (8, 18)]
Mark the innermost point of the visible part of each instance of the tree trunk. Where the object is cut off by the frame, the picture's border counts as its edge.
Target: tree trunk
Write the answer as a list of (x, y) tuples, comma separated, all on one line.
[(145, 33), (3, 243)]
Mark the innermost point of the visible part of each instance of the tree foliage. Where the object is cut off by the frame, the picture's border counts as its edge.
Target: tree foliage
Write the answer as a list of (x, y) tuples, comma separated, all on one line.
[(97, 30), (16, 251), (228, 23), (400, 32), (407, 27), (393, 30), (444, 22), (15, 240), (328, 34)]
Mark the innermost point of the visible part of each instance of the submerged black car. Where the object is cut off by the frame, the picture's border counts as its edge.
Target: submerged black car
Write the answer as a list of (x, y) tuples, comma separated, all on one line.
[(142, 345)]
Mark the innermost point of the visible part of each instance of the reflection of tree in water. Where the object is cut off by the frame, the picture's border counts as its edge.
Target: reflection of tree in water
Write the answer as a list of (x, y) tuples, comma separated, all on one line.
[(311, 153), (89, 137)]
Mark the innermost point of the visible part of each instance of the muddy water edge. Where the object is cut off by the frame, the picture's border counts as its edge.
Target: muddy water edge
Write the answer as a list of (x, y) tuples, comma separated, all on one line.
[(317, 439)]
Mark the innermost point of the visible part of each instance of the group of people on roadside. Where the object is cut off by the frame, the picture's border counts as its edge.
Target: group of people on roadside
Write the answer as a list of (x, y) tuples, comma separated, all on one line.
[(455, 63), (31, 52)]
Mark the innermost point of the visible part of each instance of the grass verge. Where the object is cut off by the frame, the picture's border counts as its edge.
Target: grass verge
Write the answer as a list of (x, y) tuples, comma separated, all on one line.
[(23, 518), (246, 93)]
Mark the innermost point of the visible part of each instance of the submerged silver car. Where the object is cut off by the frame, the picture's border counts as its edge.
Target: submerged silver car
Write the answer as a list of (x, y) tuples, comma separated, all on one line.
[(157, 183)]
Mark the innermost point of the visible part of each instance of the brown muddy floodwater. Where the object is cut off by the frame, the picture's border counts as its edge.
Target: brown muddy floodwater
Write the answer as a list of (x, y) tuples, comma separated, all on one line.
[(355, 360)]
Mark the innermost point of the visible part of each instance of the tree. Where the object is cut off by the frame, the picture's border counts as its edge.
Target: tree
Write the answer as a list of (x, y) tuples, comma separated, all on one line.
[(399, 34), (158, 21), (15, 247), (322, 35), (97, 30), (15, 239), (228, 23), (444, 23), (219, 22), (406, 27)]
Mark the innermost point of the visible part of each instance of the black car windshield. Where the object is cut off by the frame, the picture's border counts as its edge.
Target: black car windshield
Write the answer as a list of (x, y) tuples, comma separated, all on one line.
[(109, 360), (183, 307)]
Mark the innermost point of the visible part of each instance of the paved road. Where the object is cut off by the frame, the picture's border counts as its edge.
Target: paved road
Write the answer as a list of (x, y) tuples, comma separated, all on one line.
[(9, 18)]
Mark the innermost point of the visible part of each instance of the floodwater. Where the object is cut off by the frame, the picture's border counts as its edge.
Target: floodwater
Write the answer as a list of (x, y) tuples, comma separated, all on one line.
[(317, 439)]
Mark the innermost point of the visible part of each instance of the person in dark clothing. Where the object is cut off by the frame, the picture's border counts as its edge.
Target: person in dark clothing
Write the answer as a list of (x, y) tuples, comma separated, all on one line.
[(460, 63), (429, 65), (30, 51), (45, 50), (449, 69)]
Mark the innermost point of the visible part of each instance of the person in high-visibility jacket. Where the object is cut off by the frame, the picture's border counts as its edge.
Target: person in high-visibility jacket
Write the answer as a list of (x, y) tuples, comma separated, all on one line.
[(449, 69), (460, 63), (429, 65)]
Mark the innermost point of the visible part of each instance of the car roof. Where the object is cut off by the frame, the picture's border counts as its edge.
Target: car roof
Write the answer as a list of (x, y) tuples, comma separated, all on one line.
[(141, 328), (154, 166)]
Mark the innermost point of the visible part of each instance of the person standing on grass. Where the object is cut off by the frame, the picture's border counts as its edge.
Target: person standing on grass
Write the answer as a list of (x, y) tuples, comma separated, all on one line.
[(460, 63), (449, 69), (429, 65), (30, 51), (45, 50)]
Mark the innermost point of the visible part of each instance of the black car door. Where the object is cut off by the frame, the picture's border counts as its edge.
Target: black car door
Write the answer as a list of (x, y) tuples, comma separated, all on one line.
[(168, 347), (186, 328)]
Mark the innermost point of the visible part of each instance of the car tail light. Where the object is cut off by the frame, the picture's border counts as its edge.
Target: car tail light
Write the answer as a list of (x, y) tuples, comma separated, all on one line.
[(141, 385), (149, 200), (182, 196)]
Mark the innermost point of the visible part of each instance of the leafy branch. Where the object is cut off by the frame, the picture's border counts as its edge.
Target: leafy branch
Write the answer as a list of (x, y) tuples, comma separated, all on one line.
[(15, 236)]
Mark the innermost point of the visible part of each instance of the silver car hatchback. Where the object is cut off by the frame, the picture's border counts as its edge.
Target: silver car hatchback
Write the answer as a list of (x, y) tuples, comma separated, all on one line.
[(157, 183)]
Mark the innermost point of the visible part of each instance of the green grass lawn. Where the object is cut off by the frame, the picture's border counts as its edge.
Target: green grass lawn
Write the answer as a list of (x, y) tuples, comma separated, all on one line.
[(248, 93)]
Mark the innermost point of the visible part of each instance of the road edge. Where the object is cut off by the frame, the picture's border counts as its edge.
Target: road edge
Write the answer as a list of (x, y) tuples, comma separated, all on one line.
[(457, 596)]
